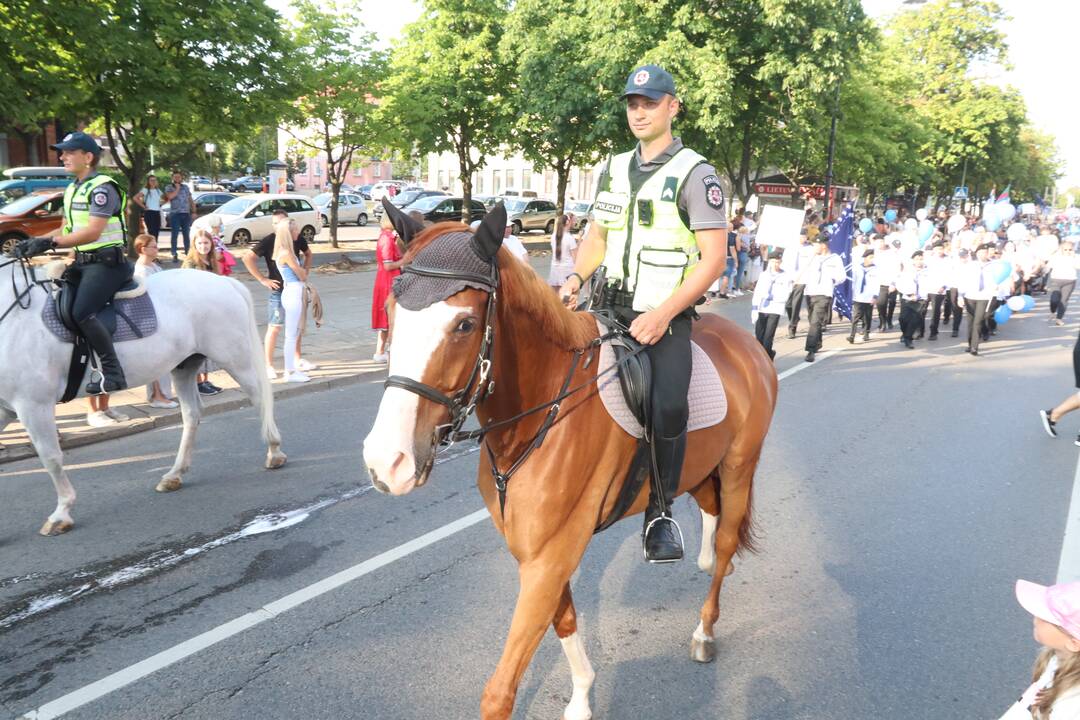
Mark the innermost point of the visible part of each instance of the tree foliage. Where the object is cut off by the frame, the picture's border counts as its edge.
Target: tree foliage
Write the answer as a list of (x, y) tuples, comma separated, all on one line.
[(447, 86)]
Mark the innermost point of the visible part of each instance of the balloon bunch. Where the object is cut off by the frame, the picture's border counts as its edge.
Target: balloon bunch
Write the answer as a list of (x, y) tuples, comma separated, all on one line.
[(994, 214), (1015, 304)]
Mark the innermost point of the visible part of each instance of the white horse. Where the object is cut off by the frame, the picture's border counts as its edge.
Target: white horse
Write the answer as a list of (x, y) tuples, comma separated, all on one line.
[(198, 314)]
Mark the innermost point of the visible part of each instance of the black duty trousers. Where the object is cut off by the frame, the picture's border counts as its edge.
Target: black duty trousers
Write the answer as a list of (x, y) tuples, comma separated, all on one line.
[(765, 330), (911, 317), (817, 310), (976, 311), (98, 283), (937, 301), (671, 366), (957, 311), (861, 312), (794, 306)]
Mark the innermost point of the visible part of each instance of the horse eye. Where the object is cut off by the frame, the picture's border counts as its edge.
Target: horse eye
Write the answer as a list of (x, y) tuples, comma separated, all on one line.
[(466, 326)]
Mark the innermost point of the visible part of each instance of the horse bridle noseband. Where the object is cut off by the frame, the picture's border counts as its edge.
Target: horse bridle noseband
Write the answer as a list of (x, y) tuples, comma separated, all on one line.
[(463, 403)]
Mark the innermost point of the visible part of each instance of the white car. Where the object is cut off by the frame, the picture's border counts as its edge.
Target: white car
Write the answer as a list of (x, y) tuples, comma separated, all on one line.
[(378, 190), (248, 217), (351, 208)]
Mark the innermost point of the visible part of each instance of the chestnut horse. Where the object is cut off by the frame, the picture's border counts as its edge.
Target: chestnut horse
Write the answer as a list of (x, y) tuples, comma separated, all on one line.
[(442, 364)]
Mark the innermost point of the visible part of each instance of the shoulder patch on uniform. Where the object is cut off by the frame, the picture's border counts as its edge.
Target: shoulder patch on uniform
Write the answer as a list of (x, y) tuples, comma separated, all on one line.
[(714, 194), (100, 198)]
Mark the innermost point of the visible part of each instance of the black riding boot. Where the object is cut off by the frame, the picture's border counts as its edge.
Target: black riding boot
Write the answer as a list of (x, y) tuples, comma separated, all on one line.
[(661, 536), (101, 341)]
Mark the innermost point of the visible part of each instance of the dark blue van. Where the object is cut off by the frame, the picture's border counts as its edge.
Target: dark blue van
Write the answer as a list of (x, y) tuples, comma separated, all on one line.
[(22, 181)]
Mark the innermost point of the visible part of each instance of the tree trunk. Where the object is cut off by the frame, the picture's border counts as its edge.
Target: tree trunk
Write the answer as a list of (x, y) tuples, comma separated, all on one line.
[(135, 173), (335, 189), (562, 179)]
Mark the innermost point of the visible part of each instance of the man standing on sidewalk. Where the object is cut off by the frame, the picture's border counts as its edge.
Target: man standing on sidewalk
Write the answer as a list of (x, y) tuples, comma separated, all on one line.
[(823, 273), (275, 314), (181, 208)]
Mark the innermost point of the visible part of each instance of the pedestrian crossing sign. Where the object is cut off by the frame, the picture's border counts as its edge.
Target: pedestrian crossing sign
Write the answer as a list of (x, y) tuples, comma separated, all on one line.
[(960, 193)]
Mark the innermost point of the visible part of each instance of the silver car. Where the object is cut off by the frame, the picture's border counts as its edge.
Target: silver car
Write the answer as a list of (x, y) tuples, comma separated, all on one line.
[(527, 215), (351, 208)]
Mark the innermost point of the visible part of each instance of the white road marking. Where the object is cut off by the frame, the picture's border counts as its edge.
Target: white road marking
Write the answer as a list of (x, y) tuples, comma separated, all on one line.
[(152, 664), (1069, 565), (175, 654)]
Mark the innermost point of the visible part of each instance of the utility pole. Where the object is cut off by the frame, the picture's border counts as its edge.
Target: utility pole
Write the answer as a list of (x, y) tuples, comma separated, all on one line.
[(832, 152)]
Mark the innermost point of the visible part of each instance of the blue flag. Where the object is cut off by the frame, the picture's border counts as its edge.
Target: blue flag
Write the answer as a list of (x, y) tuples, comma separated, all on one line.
[(841, 236)]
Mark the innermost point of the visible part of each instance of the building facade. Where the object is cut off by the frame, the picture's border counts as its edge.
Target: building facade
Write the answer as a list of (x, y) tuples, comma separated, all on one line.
[(508, 172), (19, 149)]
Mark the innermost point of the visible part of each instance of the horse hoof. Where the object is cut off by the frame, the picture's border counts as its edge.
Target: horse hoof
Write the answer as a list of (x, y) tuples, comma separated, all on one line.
[(702, 651), (52, 528), (168, 485), (273, 462)]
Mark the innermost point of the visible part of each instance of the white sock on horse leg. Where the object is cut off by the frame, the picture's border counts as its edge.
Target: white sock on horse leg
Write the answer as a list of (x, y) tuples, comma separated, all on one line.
[(707, 557), (582, 673)]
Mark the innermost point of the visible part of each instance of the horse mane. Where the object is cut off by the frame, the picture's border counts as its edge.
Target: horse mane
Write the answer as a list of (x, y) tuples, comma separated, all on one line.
[(523, 293)]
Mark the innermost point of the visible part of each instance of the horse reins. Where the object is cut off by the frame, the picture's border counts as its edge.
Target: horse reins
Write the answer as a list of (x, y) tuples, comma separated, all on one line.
[(31, 280), (462, 404)]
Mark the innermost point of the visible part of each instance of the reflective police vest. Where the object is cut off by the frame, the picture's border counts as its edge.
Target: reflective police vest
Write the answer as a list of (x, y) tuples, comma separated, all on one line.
[(77, 213), (651, 255)]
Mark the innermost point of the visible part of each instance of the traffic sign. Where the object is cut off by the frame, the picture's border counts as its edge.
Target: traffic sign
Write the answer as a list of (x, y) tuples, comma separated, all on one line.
[(960, 193)]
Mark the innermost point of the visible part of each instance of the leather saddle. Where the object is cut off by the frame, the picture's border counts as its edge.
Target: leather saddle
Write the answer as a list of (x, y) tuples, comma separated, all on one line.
[(64, 300)]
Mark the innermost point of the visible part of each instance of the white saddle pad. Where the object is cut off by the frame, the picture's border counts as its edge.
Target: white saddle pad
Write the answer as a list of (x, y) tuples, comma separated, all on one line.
[(708, 402)]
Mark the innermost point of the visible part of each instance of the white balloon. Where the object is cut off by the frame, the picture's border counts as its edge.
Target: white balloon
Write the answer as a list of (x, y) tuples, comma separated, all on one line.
[(1005, 210), (911, 224), (956, 223), (921, 214), (1015, 303), (1017, 232)]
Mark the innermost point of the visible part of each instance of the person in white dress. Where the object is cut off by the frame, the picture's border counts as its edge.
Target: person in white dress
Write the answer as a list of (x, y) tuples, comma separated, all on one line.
[(563, 252)]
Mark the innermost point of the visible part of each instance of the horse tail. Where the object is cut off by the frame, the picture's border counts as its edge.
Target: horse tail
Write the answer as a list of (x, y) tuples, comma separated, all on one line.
[(265, 391)]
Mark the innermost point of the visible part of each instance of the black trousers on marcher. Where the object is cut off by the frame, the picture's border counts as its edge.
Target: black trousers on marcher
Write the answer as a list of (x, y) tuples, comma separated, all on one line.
[(765, 331), (794, 306), (817, 309), (957, 311), (936, 302), (911, 317), (886, 304), (990, 324), (861, 312), (976, 312), (1060, 292)]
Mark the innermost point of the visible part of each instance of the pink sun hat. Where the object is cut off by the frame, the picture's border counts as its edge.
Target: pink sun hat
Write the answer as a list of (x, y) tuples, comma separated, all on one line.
[(1057, 604)]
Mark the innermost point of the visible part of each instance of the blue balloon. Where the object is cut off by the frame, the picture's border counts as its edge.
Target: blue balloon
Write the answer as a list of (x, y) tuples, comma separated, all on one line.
[(1029, 302), (866, 225), (1002, 314), (992, 222), (1002, 269), (890, 216), (926, 230)]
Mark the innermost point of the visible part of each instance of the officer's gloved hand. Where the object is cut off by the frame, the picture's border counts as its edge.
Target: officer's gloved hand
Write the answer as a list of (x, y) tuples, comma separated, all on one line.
[(30, 247)]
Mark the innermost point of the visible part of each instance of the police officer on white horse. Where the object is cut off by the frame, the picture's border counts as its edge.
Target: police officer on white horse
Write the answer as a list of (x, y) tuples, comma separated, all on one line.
[(94, 207), (660, 230)]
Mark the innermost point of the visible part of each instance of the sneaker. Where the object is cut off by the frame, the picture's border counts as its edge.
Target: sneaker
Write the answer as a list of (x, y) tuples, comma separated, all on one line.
[(305, 366), (117, 416), (296, 377), (208, 388), (1048, 425), (271, 373), (99, 419), (1059, 322), (164, 404), (380, 358)]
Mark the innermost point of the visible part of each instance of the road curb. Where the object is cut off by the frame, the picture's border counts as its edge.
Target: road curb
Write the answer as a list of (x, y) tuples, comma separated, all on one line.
[(237, 400)]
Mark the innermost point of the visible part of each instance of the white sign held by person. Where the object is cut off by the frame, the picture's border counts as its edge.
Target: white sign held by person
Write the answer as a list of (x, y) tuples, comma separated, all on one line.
[(779, 226)]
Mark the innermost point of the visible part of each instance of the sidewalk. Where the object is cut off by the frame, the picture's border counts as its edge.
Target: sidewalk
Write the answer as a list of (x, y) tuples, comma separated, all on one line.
[(342, 348)]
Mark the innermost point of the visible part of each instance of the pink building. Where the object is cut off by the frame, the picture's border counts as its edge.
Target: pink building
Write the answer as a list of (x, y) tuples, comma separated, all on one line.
[(315, 177)]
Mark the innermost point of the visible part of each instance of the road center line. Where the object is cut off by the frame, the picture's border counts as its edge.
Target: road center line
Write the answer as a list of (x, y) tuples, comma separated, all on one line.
[(1069, 565), (175, 654)]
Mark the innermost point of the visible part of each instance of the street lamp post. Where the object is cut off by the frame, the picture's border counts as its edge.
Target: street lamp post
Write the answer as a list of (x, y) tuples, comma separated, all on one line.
[(210, 148), (832, 152)]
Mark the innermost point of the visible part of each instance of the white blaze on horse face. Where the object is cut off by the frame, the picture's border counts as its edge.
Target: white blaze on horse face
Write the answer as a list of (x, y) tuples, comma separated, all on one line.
[(388, 448)]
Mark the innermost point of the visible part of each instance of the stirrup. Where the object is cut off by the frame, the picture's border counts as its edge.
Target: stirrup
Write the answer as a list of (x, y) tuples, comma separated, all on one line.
[(645, 537), (96, 384)]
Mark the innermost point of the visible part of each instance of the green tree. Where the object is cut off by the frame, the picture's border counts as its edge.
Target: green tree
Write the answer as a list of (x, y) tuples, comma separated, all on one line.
[(447, 87), (338, 74), (155, 78)]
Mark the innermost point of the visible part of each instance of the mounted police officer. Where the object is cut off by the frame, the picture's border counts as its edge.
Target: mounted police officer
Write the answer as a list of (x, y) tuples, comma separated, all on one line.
[(94, 207), (660, 230)]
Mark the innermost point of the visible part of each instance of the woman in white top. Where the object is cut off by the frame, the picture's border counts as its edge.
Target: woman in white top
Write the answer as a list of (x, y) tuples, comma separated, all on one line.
[(149, 199), (1062, 280), (563, 252), (157, 392), (292, 294)]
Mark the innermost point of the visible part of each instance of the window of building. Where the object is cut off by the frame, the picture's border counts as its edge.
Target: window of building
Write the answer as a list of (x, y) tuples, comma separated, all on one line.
[(318, 168), (478, 183), (548, 178), (526, 179), (510, 180), (442, 179), (5, 159), (378, 170), (496, 182)]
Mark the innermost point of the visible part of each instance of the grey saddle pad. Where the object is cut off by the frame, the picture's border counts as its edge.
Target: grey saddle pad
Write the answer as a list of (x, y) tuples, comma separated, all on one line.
[(140, 310), (708, 402)]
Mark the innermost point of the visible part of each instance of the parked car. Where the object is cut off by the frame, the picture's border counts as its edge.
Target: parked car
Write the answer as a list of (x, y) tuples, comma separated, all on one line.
[(406, 198), (205, 203), (520, 193), (489, 201), (580, 211), (438, 208), (379, 189), (22, 181), (248, 217), (526, 215), (38, 214), (201, 182), (364, 191), (351, 208), (248, 183)]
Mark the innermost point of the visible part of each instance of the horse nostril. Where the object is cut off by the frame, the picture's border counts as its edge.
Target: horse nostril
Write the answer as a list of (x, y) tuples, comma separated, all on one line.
[(377, 483)]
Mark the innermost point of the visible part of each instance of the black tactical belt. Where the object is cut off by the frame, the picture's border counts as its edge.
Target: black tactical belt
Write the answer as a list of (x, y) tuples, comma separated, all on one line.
[(110, 254)]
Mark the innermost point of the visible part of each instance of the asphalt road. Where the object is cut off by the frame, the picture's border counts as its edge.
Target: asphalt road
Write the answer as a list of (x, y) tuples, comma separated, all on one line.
[(900, 495)]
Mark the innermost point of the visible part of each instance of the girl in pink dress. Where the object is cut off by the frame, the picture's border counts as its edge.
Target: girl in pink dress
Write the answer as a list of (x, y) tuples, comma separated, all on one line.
[(388, 258)]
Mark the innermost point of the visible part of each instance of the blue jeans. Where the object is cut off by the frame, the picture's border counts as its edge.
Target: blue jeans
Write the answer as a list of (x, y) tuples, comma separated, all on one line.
[(744, 261), (729, 271), (180, 222)]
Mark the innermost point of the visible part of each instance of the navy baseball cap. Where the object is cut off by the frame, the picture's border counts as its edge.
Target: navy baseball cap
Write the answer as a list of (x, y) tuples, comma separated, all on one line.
[(78, 141), (652, 81)]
